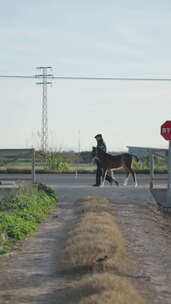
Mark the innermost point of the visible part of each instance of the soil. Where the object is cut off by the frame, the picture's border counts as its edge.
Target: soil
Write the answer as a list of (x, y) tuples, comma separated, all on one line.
[(148, 236), (29, 274)]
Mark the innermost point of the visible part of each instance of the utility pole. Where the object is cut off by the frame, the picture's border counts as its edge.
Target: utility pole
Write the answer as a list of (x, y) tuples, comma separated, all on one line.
[(79, 142), (44, 75)]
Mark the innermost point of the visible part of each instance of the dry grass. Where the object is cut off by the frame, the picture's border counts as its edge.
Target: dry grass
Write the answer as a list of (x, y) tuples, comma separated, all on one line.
[(100, 288), (106, 288), (94, 234), (93, 204)]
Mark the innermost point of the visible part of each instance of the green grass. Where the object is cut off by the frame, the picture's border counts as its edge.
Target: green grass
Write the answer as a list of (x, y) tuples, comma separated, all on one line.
[(4, 250), (22, 212)]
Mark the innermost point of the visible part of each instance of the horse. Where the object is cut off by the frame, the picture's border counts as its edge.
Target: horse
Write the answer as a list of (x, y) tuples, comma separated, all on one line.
[(110, 162)]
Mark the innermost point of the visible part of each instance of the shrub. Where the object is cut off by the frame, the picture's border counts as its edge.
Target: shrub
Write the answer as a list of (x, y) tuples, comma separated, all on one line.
[(53, 161)]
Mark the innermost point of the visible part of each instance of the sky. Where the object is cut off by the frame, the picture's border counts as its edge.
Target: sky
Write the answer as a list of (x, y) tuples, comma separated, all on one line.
[(126, 38)]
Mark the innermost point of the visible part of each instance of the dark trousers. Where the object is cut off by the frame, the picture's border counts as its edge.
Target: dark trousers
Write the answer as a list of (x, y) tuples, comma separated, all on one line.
[(99, 174)]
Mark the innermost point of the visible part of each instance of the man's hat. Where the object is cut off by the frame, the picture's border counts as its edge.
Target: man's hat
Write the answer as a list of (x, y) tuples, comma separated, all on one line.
[(98, 135)]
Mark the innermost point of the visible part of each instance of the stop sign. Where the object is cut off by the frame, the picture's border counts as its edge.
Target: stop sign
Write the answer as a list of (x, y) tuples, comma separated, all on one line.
[(165, 130)]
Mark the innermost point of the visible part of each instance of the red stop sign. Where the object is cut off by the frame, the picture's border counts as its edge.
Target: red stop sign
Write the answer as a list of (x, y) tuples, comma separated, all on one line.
[(165, 130)]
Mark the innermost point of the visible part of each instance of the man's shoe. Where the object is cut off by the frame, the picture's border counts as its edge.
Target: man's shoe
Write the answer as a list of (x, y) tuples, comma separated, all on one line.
[(96, 185)]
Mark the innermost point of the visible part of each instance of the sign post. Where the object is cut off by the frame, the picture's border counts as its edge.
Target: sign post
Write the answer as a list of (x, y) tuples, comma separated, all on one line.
[(166, 133), (169, 175)]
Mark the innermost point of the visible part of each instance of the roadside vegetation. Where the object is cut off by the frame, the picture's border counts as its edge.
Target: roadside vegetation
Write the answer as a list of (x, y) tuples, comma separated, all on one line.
[(95, 260), (22, 212), (159, 164), (56, 161)]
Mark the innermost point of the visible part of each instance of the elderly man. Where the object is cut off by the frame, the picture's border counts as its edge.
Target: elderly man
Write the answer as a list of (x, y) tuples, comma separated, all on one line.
[(100, 145)]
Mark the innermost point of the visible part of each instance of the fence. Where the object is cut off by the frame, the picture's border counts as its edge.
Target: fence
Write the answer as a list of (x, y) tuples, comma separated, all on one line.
[(8, 156), (152, 154), (156, 153)]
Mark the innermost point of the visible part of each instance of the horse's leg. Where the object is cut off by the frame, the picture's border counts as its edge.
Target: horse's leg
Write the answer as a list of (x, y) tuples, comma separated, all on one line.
[(127, 166), (127, 176), (104, 176), (110, 177), (134, 177), (131, 171), (113, 177)]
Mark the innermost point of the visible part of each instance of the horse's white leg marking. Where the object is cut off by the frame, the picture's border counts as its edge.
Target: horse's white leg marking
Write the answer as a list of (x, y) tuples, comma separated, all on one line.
[(104, 177), (126, 180), (136, 184)]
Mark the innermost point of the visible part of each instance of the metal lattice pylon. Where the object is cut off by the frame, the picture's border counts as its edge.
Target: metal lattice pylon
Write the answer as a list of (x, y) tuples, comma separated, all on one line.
[(44, 123)]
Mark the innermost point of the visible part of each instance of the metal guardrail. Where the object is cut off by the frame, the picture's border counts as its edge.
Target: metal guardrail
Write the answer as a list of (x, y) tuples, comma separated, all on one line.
[(9, 155), (162, 153)]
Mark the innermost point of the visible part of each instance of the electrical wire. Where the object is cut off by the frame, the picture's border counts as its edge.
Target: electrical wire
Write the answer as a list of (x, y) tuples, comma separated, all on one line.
[(87, 78)]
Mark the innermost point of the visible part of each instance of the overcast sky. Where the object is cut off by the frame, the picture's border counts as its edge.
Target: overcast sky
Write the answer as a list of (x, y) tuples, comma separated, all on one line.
[(126, 38)]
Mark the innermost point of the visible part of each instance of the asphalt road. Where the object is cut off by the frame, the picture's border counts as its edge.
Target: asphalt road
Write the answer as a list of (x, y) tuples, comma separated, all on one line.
[(70, 188), (86, 180)]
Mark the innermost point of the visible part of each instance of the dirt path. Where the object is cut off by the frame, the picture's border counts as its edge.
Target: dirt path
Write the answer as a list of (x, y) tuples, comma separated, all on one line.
[(149, 241), (30, 274)]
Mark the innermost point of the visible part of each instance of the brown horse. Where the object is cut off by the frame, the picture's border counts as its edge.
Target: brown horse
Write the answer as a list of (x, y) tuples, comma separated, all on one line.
[(109, 162)]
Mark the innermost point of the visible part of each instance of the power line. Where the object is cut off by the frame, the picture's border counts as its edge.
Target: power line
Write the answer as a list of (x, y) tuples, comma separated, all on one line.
[(17, 76), (110, 78), (88, 78)]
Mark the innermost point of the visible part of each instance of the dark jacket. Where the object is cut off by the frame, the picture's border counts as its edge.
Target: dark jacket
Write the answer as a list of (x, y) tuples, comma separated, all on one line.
[(101, 145)]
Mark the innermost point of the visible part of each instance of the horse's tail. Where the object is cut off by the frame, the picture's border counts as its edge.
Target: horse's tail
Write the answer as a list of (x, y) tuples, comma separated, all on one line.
[(135, 157)]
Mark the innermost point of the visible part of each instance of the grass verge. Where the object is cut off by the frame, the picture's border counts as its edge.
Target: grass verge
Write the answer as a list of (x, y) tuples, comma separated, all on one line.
[(95, 258), (22, 212)]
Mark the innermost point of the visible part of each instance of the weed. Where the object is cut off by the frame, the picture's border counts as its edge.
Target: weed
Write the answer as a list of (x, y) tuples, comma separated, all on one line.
[(24, 210)]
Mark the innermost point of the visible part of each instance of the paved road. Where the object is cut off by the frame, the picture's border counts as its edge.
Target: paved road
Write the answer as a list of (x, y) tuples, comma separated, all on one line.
[(85, 180), (70, 188)]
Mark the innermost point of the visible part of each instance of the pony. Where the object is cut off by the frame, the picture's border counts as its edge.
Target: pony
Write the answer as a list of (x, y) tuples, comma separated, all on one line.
[(109, 162)]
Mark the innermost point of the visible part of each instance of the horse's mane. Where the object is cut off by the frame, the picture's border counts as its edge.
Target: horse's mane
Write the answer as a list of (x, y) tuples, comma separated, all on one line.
[(111, 155), (105, 153)]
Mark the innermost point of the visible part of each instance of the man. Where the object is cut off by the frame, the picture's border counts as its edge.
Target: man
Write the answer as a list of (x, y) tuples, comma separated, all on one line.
[(100, 145)]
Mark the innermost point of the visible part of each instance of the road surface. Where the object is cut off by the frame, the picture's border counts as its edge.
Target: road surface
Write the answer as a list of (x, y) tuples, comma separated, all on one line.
[(70, 188)]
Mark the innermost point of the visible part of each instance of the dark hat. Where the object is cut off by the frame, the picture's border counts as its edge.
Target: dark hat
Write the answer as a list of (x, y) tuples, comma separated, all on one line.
[(98, 135)]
